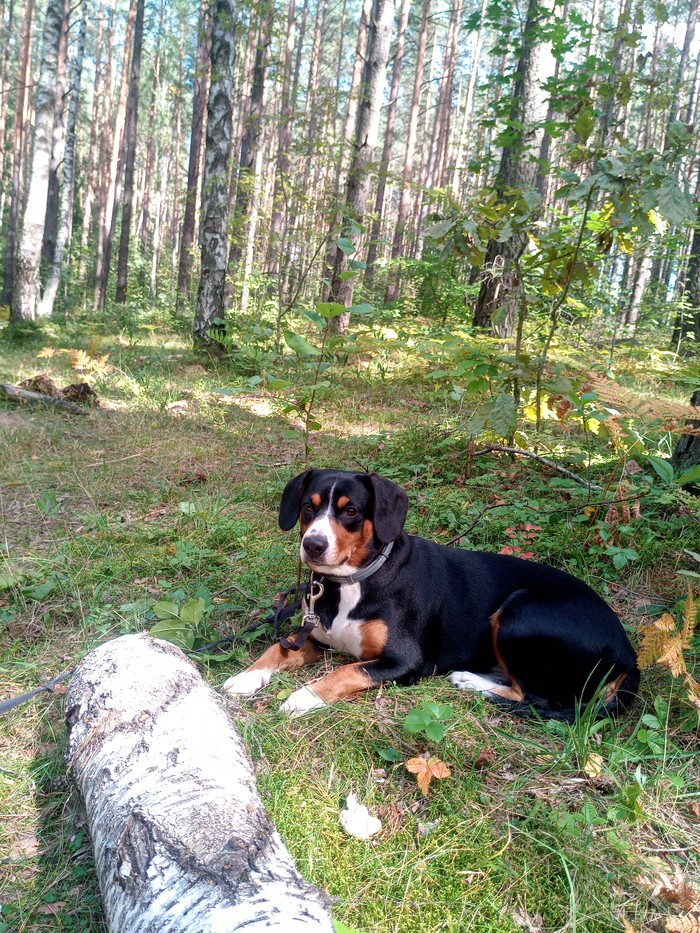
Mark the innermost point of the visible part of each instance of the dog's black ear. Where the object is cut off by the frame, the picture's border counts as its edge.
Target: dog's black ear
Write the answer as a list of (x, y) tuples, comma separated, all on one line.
[(290, 505), (390, 508)]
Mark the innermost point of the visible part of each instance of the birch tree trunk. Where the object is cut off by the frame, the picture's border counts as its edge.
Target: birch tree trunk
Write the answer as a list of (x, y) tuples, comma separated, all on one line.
[(209, 313), (64, 228), (21, 110), (26, 290), (182, 842), (58, 145)]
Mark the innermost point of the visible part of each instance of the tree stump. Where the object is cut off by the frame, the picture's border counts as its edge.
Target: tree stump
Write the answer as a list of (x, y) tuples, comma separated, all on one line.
[(182, 842)]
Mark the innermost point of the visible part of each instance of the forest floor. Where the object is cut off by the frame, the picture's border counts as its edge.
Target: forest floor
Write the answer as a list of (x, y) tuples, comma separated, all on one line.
[(168, 491)]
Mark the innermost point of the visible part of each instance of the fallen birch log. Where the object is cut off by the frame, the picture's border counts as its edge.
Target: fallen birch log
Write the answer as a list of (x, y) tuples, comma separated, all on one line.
[(182, 842)]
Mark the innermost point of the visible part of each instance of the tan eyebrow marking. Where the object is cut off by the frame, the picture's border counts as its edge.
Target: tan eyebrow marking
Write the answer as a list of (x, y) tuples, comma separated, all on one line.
[(342, 502), (316, 499)]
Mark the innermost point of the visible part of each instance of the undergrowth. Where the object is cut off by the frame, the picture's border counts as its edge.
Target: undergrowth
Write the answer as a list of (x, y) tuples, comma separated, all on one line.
[(159, 508)]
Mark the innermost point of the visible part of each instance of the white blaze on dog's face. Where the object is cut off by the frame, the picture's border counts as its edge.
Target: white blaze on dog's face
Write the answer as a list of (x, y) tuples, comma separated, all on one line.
[(337, 530)]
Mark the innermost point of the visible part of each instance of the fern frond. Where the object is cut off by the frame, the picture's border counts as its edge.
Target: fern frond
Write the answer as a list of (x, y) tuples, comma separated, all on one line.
[(690, 619)]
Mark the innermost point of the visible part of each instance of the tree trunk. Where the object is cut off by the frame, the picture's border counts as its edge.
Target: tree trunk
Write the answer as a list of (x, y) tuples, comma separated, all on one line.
[(364, 144), (21, 111), (251, 145), (151, 184), (284, 142), (686, 453), (349, 127), (113, 173), (209, 312), (388, 144), (64, 228), (409, 156), (130, 128), (519, 169), (199, 112), (26, 290), (58, 146), (181, 839), (467, 116), (93, 149)]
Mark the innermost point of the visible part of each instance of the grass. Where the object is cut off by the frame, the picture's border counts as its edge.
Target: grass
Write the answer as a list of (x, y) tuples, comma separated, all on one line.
[(170, 490)]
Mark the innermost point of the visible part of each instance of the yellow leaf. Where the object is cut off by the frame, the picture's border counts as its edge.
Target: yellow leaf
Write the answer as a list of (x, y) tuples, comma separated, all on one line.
[(594, 765)]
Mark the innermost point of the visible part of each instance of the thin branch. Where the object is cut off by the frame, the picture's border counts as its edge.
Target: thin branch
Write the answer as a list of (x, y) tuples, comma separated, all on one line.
[(548, 463)]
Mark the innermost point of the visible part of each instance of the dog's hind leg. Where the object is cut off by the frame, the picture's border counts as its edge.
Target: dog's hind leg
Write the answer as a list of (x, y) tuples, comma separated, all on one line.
[(493, 684)]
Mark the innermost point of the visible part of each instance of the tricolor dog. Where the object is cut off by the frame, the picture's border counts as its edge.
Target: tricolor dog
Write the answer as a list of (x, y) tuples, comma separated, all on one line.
[(525, 634)]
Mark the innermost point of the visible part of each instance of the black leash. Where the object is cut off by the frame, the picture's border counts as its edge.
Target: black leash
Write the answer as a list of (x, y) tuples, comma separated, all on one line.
[(50, 687), (281, 614)]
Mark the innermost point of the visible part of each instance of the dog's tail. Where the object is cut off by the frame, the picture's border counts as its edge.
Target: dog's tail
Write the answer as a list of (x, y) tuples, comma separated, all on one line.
[(536, 708)]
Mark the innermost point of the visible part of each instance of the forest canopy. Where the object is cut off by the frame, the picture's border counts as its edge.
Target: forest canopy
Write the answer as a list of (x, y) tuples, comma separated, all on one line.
[(502, 162)]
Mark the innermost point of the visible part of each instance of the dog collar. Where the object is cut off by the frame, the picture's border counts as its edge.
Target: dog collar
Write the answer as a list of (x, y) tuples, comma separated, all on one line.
[(367, 571)]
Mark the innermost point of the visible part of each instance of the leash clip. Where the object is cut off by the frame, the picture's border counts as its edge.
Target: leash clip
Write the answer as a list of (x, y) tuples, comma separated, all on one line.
[(308, 616)]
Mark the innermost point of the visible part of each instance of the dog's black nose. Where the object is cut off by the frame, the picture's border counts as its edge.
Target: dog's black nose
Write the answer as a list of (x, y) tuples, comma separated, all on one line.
[(315, 545)]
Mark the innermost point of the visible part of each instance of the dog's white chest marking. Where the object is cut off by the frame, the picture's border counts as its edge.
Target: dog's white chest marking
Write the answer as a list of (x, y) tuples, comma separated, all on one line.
[(344, 633)]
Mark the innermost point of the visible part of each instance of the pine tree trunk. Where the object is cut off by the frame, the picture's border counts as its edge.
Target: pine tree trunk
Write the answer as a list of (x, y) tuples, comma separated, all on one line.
[(467, 117), (93, 148), (130, 128), (18, 147), (181, 838), (209, 312), (64, 229), (113, 174), (251, 145), (364, 144), (388, 143), (284, 141), (26, 288), (149, 182), (519, 169), (174, 187), (199, 113), (405, 197)]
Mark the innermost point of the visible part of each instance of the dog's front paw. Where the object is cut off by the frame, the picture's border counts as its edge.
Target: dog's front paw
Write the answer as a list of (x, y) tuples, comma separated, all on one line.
[(300, 702), (247, 682)]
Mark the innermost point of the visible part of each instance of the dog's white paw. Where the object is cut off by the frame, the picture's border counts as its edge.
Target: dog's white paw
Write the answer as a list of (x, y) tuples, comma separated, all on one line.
[(466, 680), (301, 701), (248, 682)]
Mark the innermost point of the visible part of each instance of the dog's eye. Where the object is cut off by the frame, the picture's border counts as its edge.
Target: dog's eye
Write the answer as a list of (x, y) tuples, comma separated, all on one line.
[(351, 511), (306, 507)]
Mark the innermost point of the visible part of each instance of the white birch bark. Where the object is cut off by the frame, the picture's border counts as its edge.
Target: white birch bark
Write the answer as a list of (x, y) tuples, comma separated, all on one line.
[(209, 311), (26, 288), (64, 231), (182, 842)]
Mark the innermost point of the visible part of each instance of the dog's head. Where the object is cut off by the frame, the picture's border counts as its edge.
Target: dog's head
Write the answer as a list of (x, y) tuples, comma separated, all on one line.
[(345, 517)]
